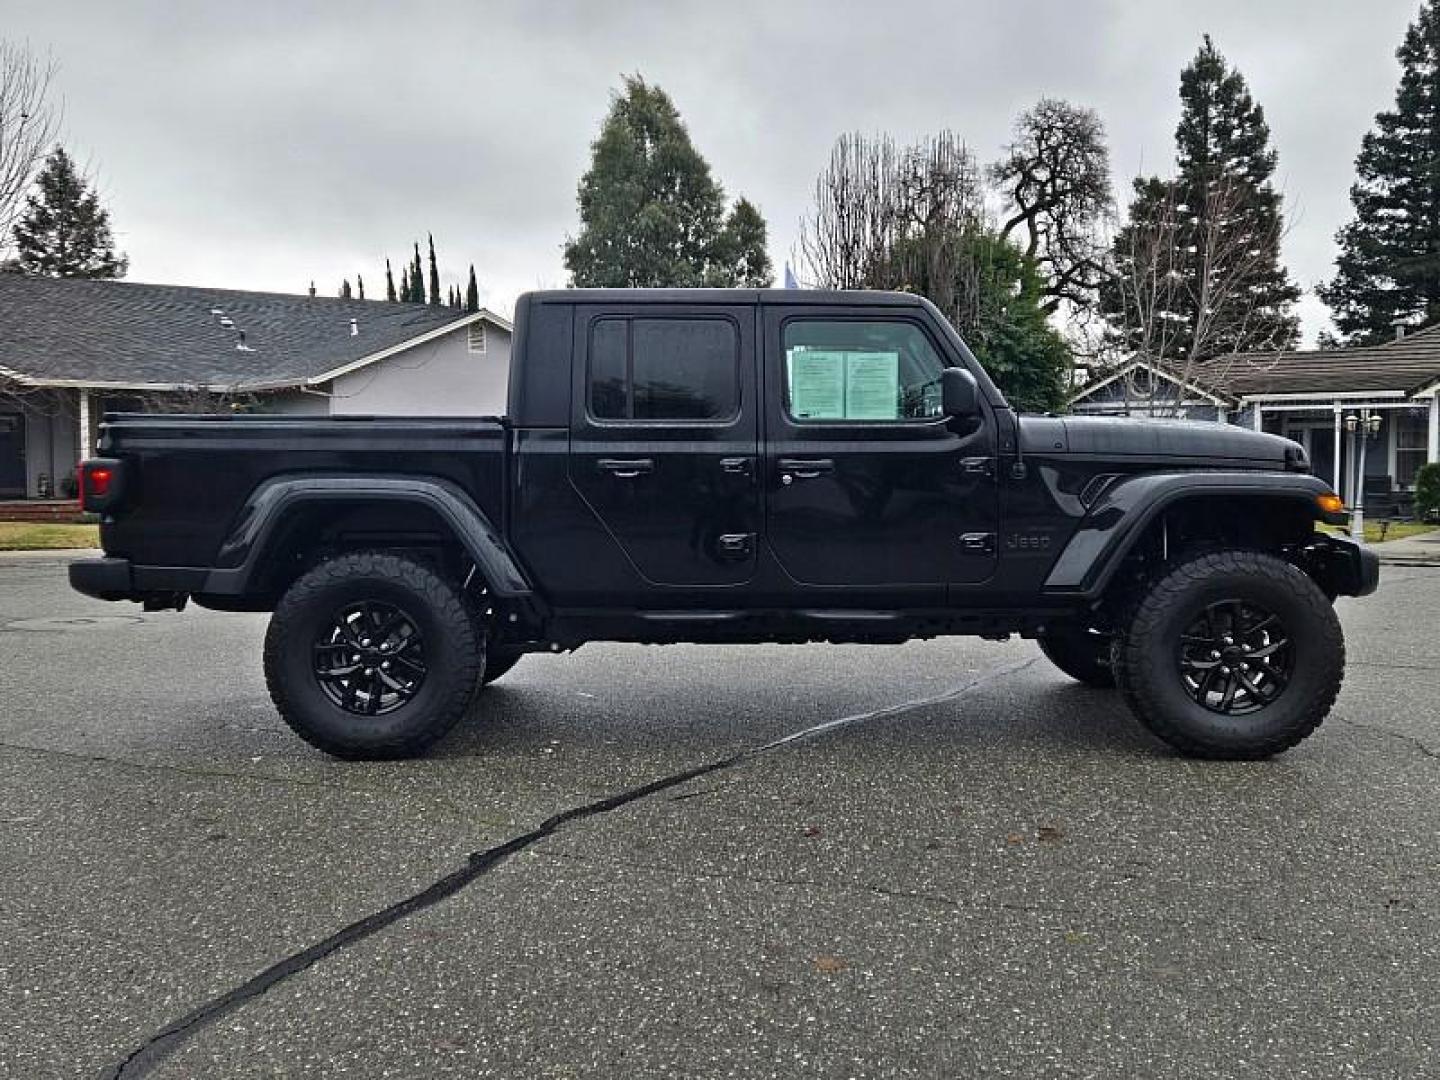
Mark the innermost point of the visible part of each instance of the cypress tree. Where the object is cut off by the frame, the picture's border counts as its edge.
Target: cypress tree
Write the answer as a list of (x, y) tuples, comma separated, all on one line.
[(65, 232), (389, 283), (472, 292), (1389, 262), (417, 278), (1219, 221), (345, 290), (360, 286), (434, 273)]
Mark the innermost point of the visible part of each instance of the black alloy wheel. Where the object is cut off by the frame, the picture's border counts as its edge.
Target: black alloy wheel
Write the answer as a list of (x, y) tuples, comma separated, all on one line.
[(1236, 658), (370, 660)]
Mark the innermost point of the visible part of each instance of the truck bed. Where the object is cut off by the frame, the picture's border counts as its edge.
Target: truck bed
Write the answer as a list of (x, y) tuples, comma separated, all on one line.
[(195, 473)]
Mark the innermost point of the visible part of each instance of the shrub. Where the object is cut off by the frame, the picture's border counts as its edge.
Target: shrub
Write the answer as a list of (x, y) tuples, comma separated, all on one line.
[(1427, 490)]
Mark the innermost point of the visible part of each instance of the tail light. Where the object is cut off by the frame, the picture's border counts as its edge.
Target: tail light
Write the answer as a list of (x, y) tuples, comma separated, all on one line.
[(100, 483)]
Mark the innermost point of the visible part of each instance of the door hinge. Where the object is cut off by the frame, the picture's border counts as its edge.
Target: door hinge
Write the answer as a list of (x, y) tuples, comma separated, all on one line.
[(978, 543), (736, 545)]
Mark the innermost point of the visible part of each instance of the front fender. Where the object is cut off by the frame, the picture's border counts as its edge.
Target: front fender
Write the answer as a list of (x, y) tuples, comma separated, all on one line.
[(239, 556), (1118, 519)]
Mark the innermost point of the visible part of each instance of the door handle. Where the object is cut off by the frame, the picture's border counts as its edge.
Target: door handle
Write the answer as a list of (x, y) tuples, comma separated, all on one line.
[(804, 468), (626, 468)]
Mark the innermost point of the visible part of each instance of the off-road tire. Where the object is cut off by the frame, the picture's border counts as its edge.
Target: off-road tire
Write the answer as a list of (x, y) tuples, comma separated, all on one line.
[(1082, 655), (497, 662), (454, 652), (1145, 656)]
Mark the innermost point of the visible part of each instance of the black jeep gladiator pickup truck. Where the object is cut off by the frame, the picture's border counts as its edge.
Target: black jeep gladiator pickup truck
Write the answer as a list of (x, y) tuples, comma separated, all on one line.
[(736, 466)]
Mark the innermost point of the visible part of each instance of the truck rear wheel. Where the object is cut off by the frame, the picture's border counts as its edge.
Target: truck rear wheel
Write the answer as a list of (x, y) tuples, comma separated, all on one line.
[(1081, 653), (1233, 655), (372, 656)]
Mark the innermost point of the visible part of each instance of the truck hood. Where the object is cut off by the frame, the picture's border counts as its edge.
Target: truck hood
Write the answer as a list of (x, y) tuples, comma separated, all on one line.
[(1161, 441)]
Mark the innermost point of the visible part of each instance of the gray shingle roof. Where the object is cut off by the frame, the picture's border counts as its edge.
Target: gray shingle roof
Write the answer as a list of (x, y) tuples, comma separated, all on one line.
[(1409, 364), (120, 333)]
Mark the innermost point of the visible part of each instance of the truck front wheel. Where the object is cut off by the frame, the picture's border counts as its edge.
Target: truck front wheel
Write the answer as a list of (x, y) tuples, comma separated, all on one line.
[(1233, 655), (371, 655)]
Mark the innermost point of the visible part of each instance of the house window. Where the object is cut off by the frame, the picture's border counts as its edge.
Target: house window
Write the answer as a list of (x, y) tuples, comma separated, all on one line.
[(1411, 434), (664, 369), (476, 336)]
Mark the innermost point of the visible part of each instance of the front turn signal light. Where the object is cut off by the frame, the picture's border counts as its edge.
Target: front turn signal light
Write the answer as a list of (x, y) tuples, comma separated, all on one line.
[(1331, 503)]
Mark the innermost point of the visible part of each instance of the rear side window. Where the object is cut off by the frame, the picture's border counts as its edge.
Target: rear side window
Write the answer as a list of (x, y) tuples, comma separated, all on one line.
[(856, 369), (664, 369)]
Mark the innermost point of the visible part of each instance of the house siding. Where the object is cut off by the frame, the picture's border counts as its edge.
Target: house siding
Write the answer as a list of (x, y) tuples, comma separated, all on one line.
[(440, 377)]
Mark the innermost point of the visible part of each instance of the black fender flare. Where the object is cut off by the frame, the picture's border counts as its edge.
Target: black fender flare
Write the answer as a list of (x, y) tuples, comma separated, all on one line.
[(1116, 520), (240, 555)]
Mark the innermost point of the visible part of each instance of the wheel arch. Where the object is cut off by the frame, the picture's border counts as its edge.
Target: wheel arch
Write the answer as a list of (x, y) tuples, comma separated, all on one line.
[(1259, 510), (286, 518)]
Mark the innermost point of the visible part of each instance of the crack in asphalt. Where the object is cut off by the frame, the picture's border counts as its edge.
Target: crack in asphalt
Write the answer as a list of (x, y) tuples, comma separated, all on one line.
[(141, 1061), (1399, 736)]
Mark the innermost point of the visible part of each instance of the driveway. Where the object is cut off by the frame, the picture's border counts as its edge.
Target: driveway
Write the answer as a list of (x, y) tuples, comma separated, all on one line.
[(962, 865)]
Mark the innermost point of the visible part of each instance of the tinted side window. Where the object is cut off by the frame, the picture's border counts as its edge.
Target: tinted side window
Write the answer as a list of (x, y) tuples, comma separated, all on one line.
[(860, 370), (664, 369)]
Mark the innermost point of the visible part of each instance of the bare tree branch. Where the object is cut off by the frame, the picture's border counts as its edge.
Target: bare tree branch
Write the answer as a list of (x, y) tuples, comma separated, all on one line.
[(28, 127)]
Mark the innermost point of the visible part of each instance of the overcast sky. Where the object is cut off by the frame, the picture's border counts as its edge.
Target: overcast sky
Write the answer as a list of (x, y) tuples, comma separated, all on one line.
[(259, 145)]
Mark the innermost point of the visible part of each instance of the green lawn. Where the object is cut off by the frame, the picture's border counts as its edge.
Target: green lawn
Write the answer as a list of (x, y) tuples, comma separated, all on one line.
[(1398, 530), (22, 536)]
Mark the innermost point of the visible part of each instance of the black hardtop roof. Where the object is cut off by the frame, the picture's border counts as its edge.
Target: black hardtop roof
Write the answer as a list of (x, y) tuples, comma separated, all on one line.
[(830, 297)]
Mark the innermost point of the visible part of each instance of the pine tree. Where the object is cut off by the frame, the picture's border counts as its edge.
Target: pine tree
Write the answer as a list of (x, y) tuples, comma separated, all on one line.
[(65, 232), (472, 292), (1389, 262), (345, 290), (389, 283), (650, 212), (360, 286), (1211, 236), (434, 273)]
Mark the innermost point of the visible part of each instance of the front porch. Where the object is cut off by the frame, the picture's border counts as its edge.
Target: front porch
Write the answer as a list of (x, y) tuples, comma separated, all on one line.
[(40, 442), (1373, 444)]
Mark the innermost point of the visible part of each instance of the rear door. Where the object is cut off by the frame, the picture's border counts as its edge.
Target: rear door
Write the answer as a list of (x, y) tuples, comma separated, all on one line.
[(664, 440), (867, 483)]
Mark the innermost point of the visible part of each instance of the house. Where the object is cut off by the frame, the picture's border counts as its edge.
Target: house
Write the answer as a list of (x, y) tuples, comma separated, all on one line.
[(1329, 400), (72, 350)]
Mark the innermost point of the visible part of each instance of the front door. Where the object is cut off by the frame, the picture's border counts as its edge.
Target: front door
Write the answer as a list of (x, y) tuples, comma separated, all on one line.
[(12, 455), (867, 483), (664, 439)]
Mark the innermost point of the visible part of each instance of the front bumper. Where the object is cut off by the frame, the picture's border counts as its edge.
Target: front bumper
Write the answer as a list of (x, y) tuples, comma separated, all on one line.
[(1343, 567)]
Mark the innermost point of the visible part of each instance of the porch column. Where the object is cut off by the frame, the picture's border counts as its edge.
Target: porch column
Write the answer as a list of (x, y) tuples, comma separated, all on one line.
[(1338, 441), (1432, 452), (1258, 420), (84, 441)]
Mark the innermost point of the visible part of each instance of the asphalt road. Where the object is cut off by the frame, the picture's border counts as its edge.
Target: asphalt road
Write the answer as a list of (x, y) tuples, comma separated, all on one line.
[(1013, 880)]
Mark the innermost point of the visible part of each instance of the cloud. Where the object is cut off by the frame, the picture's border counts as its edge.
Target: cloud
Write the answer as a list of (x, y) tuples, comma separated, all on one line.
[(269, 144)]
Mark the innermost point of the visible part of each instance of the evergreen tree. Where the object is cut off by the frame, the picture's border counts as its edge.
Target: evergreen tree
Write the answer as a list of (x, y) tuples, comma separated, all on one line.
[(389, 283), (650, 212), (434, 273), (417, 278), (360, 286), (472, 292), (1212, 234), (65, 232), (1389, 262), (345, 290), (405, 284)]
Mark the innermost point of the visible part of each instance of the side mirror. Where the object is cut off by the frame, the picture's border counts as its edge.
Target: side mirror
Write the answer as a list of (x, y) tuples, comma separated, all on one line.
[(959, 393)]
